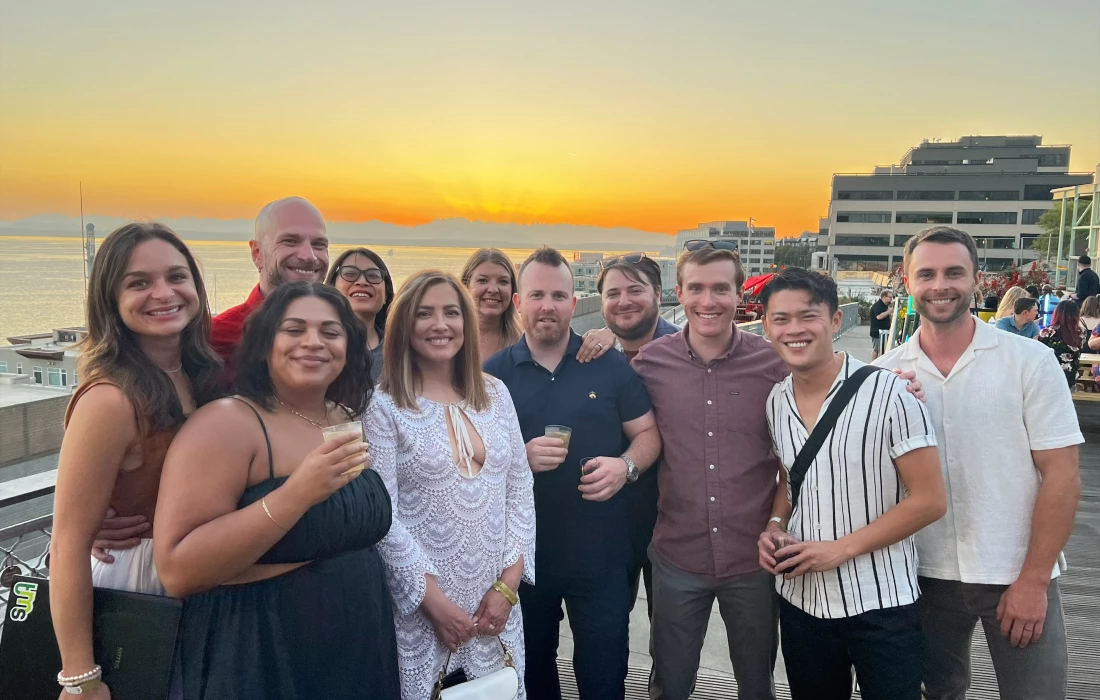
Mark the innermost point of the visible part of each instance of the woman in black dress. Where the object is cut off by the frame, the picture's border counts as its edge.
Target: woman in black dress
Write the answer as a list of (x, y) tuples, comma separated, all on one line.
[(269, 531), (1066, 338)]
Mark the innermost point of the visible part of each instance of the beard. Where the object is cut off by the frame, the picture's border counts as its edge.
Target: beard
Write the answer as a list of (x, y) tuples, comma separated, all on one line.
[(645, 325), (955, 312), (546, 336), (277, 276)]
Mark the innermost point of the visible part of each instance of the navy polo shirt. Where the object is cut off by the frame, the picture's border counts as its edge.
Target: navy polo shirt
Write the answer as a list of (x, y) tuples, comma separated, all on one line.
[(575, 537)]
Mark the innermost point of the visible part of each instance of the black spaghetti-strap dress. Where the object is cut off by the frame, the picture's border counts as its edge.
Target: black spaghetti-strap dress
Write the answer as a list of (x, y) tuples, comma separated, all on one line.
[(324, 630)]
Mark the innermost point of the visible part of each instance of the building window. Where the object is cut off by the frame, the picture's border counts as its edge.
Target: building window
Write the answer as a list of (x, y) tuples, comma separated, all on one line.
[(987, 217), (37, 372), (937, 162), (923, 217), (56, 376), (863, 217), (996, 243), (1027, 239), (1038, 193), (1053, 160), (864, 194), (1031, 216), (862, 240), (900, 240), (989, 195), (862, 263), (19, 368), (3, 367), (927, 195)]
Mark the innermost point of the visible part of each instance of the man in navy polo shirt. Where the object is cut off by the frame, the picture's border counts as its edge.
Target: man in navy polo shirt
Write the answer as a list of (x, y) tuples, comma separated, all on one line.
[(582, 542)]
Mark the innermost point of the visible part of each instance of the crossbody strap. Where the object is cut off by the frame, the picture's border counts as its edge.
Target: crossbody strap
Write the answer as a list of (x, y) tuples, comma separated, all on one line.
[(824, 426)]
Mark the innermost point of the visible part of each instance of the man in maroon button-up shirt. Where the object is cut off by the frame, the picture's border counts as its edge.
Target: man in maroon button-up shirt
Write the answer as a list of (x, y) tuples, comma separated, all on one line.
[(709, 385)]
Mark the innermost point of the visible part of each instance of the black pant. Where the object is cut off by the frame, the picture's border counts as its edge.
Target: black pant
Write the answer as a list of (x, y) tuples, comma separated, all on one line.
[(599, 610), (886, 648), (641, 572)]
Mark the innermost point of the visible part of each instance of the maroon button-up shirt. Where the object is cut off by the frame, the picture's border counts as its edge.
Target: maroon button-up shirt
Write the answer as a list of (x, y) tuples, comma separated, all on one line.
[(718, 472)]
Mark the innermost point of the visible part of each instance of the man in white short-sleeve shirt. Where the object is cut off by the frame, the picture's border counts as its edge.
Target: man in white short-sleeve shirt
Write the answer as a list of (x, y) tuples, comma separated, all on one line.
[(1007, 439)]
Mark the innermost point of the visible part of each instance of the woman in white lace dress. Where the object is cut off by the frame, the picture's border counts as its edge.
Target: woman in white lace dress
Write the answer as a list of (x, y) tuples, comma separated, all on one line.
[(445, 439)]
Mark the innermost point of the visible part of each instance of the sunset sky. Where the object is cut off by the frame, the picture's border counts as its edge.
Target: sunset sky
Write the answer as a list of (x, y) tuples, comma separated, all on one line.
[(654, 115)]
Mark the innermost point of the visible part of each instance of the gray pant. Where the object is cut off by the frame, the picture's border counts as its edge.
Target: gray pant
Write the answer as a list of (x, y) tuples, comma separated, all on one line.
[(951, 609), (682, 602)]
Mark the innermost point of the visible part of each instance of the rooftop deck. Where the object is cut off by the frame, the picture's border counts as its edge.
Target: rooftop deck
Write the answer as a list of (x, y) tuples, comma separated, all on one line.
[(25, 518)]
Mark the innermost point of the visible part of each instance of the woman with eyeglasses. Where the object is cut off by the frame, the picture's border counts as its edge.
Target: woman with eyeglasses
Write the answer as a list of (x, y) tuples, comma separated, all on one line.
[(361, 276)]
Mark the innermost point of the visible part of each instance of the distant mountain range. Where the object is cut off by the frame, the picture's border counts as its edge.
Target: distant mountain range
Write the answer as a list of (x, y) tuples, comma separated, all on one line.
[(444, 232)]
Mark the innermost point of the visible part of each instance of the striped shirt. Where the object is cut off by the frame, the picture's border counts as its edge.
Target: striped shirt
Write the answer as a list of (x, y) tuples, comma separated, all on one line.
[(851, 482)]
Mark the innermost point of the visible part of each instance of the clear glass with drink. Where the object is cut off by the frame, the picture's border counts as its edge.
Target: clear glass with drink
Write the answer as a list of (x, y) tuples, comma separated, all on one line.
[(782, 539), (561, 432), (587, 468), (335, 431)]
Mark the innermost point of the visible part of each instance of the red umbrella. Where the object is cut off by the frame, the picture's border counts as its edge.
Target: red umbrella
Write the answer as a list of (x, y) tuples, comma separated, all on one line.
[(754, 285)]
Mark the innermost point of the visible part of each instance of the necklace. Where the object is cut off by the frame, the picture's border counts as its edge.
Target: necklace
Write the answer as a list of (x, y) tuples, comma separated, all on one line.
[(305, 418), (173, 371)]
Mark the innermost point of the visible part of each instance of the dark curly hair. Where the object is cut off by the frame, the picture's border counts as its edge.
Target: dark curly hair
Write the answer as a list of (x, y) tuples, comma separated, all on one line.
[(351, 389)]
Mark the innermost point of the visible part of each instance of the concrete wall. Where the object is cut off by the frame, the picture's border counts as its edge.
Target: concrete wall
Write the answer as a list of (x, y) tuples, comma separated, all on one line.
[(587, 315), (31, 428)]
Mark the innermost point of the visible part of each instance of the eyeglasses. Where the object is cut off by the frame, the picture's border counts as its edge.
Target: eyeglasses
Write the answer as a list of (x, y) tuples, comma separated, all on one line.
[(350, 273), (631, 258), (700, 243)]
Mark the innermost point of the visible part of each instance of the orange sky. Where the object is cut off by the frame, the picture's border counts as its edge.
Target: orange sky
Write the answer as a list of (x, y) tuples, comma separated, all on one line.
[(649, 115)]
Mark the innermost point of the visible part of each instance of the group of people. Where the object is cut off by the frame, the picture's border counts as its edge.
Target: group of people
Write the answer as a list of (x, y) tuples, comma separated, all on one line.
[(507, 467)]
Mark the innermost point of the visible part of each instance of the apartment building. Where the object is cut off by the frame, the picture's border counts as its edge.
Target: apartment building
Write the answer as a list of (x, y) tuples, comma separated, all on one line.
[(756, 244)]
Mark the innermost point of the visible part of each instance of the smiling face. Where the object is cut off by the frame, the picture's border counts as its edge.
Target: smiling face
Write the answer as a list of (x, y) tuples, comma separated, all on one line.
[(437, 334), (942, 281), (366, 298), (292, 247), (310, 346), (630, 306), (800, 330), (157, 296), (546, 302), (710, 297), (491, 287)]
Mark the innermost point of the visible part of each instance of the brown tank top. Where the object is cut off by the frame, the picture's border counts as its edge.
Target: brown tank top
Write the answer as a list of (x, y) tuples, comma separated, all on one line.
[(135, 491)]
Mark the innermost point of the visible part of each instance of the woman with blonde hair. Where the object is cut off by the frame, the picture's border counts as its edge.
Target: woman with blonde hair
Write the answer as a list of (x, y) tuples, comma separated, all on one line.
[(446, 441), (1090, 314), (1007, 307), (490, 277)]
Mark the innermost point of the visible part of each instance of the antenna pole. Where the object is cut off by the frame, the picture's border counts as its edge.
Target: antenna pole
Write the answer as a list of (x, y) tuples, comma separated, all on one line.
[(83, 244)]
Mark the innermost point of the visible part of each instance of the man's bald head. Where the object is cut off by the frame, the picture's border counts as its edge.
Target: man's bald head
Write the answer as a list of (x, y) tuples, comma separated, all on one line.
[(290, 243)]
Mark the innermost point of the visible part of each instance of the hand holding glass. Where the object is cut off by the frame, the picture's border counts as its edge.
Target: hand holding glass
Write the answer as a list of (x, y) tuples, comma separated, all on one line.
[(334, 431)]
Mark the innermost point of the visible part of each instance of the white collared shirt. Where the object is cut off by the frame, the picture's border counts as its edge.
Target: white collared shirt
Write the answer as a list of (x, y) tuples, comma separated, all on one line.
[(1005, 397), (850, 484)]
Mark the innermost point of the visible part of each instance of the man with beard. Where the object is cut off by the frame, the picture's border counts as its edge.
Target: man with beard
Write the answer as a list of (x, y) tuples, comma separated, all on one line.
[(290, 245), (630, 290), (582, 546), (1011, 496)]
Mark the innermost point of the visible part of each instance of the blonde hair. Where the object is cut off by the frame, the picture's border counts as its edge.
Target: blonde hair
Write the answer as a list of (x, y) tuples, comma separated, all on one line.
[(400, 376), (1007, 307), (1091, 307), (510, 329)]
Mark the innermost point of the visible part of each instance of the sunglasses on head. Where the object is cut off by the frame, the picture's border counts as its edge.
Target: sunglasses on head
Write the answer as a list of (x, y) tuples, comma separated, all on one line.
[(700, 243), (350, 273), (631, 258)]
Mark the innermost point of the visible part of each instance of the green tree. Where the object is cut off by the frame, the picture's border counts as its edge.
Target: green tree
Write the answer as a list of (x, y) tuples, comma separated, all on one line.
[(1046, 244)]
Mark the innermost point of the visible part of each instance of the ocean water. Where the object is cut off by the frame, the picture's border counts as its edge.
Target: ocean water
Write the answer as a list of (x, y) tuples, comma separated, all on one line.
[(42, 278)]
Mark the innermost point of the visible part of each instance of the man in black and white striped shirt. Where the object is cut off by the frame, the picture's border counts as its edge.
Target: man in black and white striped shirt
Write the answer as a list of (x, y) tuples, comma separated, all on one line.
[(849, 585)]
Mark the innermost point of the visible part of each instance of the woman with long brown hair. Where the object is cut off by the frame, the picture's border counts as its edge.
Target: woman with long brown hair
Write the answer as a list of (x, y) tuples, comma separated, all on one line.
[(363, 278), (146, 365), (490, 277), (1065, 337), (446, 441)]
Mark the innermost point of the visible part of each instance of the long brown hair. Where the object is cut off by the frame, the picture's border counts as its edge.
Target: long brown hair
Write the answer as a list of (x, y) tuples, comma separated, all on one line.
[(111, 352), (510, 329), (1067, 319), (400, 376)]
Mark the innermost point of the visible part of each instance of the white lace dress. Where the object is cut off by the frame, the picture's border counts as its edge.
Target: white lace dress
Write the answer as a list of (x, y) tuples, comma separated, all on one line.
[(463, 530)]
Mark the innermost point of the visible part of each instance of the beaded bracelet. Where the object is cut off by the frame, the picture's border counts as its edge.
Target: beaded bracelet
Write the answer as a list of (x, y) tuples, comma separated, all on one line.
[(67, 681)]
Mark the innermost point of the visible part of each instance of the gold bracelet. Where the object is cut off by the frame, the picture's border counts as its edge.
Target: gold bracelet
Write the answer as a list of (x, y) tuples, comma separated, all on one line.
[(502, 588), (263, 502)]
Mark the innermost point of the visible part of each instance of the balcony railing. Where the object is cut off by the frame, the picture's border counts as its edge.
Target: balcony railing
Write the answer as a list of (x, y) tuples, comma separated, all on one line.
[(24, 545)]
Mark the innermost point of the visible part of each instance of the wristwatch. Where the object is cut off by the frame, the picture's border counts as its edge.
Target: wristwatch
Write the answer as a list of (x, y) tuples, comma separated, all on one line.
[(631, 469)]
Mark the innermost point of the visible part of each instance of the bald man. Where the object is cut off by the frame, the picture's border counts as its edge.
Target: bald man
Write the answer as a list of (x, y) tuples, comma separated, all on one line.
[(290, 245)]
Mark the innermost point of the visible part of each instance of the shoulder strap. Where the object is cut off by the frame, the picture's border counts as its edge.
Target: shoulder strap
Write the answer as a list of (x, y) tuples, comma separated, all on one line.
[(824, 426), (270, 456)]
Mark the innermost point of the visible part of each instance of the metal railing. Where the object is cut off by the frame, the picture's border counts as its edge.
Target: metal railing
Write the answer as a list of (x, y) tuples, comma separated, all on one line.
[(24, 545)]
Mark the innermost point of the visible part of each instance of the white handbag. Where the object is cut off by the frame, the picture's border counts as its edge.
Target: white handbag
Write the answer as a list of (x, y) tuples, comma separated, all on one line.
[(498, 685)]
